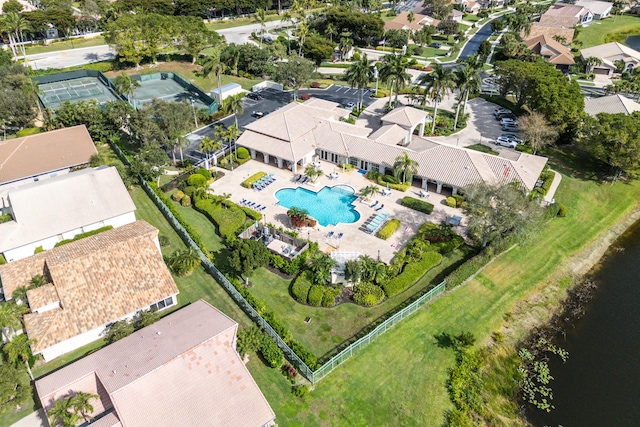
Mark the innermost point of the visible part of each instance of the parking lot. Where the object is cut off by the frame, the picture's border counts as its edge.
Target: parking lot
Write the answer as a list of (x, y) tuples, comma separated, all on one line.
[(272, 99)]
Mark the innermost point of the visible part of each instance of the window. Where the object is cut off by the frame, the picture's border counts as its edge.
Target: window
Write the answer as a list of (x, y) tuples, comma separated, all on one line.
[(162, 304)]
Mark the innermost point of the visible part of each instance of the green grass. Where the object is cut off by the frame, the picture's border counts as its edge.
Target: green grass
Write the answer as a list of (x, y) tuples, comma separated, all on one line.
[(483, 148), (616, 28), (237, 22), (463, 27), (400, 379), (8, 418), (65, 45), (470, 17), (330, 327)]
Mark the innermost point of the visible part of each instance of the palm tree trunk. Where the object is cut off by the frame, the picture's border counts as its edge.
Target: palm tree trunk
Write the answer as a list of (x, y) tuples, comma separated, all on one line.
[(26, 362), (390, 93), (12, 44), (435, 114), (466, 99), (219, 89), (455, 122)]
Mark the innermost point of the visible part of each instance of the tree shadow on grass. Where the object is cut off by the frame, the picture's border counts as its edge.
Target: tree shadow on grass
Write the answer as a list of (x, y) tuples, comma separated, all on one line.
[(574, 162)]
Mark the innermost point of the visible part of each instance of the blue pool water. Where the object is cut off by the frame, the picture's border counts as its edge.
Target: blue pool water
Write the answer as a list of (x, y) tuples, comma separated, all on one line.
[(329, 206)]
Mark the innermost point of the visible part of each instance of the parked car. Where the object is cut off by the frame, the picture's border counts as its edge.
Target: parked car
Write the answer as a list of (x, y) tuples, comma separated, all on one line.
[(436, 45), (350, 106), (510, 128), (506, 142), (255, 96), (257, 114), (511, 137), (504, 115), (509, 121), (498, 111)]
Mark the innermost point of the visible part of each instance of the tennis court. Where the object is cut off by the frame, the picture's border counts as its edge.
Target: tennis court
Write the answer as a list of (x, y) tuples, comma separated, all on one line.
[(86, 88), (165, 86)]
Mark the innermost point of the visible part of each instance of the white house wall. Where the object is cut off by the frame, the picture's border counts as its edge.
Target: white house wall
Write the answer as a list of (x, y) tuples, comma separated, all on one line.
[(71, 344)]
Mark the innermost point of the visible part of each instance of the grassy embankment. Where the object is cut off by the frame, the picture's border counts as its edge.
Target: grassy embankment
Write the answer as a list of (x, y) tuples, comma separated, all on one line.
[(614, 29), (75, 43)]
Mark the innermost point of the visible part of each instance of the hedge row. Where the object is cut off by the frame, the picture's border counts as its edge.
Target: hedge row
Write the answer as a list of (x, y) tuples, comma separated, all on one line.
[(388, 229), (254, 215), (367, 294), (228, 221), (195, 236), (315, 295), (248, 183), (412, 272), (398, 187), (417, 204), (300, 288), (467, 269), (83, 235), (271, 352), (305, 292)]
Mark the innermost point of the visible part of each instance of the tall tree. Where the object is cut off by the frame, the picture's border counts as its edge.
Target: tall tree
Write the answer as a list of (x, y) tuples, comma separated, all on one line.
[(261, 18), (497, 211), (15, 389), (81, 404), (208, 146), (439, 9), (405, 166), (62, 414), (19, 349), (437, 84), (303, 30), (467, 79), (321, 266), (295, 72), (537, 131), (212, 63), (393, 71), (10, 318), (235, 106), (126, 85), (15, 25), (360, 74)]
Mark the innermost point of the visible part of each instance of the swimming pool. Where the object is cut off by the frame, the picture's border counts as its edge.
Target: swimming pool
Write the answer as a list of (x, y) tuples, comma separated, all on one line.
[(329, 206)]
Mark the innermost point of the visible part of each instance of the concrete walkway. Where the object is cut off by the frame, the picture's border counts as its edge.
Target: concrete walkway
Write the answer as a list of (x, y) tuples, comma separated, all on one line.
[(34, 419), (550, 196)]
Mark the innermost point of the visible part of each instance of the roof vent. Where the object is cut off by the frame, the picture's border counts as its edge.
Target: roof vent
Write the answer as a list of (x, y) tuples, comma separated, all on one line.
[(113, 372), (158, 333)]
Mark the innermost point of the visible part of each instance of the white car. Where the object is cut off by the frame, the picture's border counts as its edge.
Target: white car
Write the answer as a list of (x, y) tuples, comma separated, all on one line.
[(509, 122), (498, 111), (350, 106), (511, 137), (506, 142)]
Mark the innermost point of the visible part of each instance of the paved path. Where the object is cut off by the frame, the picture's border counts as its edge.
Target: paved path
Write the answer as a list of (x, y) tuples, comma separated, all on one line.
[(70, 57), (240, 35), (34, 419)]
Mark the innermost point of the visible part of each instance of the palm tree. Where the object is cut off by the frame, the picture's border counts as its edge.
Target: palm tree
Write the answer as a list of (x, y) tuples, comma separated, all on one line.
[(261, 18), (184, 262), (287, 17), (126, 85), (14, 26), (468, 79), (369, 191), (213, 64), (437, 83), (80, 404), (208, 146), (303, 30), (352, 271), (62, 414), (321, 266), (232, 134), (405, 166), (393, 71), (235, 106), (10, 318), (19, 349), (346, 43), (330, 31), (591, 62), (360, 74), (37, 281), (372, 270), (312, 172)]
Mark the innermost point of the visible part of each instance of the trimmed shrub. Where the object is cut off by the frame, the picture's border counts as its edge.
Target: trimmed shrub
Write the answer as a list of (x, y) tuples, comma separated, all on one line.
[(417, 204), (3, 261), (460, 199), (254, 215), (390, 179), (442, 239), (38, 250), (467, 269), (329, 298), (228, 221), (271, 352), (249, 339), (316, 293), (388, 229), (553, 210), (367, 294), (451, 202), (27, 132), (248, 183), (524, 149), (177, 196), (204, 172), (300, 390), (83, 235), (189, 191), (562, 211), (185, 201), (307, 357), (5, 218), (242, 153), (197, 180), (305, 96), (300, 288), (277, 261), (412, 272), (399, 187)]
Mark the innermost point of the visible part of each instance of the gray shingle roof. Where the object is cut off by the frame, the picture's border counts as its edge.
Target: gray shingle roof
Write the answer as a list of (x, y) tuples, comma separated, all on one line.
[(612, 104)]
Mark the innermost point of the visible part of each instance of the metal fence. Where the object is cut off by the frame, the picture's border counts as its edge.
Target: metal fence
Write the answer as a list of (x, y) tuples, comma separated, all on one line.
[(298, 363), (348, 352)]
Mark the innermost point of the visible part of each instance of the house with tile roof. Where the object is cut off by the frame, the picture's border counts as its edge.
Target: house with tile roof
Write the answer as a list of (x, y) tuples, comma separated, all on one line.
[(48, 211), (293, 135), (91, 283), (579, 13), (183, 370), (600, 9), (42, 156), (612, 104), (551, 28), (401, 22), (551, 50), (609, 54)]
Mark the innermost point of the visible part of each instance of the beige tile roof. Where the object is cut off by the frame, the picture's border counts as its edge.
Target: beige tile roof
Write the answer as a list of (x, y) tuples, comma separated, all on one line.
[(564, 9), (405, 116), (45, 152), (539, 29), (181, 371), (611, 52), (448, 164), (389, 134), (402, 21), (550, 49), (98, 279), (558, 21), (67, 202), (42, 296), (597, 7), (612, 104)]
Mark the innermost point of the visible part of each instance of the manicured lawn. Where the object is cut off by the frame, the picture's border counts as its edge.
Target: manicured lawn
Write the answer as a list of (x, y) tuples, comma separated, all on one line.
[(616, 28), (463, 27), (330, 327), (470, 17), (9, 418), (482, 148), (236, 22), (65, 44), (400, 379)]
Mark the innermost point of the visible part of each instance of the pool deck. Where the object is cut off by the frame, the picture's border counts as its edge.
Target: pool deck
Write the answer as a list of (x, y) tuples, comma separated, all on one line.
[(354, 239)]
